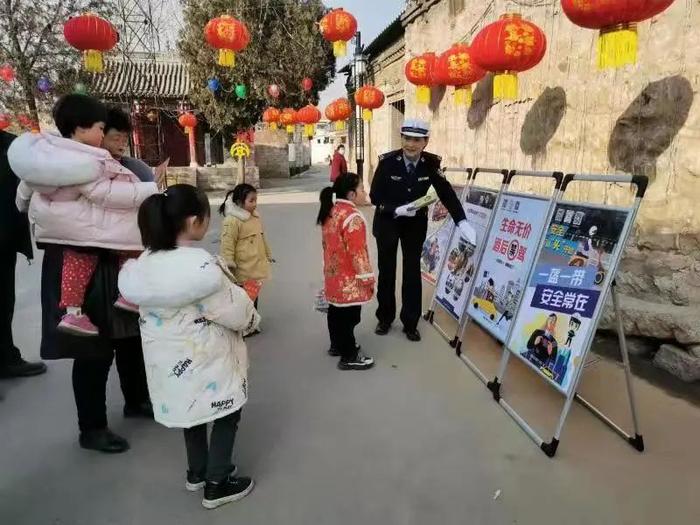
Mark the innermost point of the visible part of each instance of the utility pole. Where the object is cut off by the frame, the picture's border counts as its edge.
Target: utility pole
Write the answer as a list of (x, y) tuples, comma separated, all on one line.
[(359, 68)]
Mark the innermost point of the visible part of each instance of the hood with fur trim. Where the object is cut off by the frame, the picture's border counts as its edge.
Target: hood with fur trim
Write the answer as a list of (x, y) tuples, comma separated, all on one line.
[(46, 159), (233, 210), (170, 279)]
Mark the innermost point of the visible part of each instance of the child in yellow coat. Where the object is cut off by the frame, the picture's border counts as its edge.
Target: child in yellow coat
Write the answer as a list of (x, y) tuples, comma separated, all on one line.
[(243, 244)]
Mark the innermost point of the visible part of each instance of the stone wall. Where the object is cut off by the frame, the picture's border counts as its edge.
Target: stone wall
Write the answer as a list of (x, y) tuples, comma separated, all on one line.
[(272, 154), (573, 118), (213, 179)]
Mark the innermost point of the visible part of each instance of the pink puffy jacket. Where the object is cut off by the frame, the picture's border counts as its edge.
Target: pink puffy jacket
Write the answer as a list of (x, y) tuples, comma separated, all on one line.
[(76, 194)]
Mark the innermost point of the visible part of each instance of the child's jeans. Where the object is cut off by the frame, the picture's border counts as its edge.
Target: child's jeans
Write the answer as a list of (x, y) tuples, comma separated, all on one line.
[(78, 269), (212, 461), (342, 321)]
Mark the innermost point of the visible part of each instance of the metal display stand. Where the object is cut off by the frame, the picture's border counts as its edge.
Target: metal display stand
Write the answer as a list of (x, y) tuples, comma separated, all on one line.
[(467, 319), (609, 288), (430, 313)]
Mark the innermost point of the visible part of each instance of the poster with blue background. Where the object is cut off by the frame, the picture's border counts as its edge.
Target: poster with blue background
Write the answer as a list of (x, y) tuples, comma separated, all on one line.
[(571, 272)]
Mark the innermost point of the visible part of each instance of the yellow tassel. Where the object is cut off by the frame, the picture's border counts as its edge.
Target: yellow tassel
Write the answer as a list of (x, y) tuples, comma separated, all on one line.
[(367, 114), (227, 58), (463, 96), (309, 130), (290, 130), (340, 125), (423, 95), (273, 126), (340, 48), (93, 61), (505, 86), (617, 47)]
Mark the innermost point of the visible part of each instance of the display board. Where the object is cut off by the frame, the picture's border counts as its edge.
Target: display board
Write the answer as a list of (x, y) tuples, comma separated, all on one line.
[(453, 284), (508, 255), (558, 313), (440, 226)]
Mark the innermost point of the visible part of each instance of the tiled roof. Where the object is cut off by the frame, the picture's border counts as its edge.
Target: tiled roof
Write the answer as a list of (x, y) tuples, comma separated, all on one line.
[(139, 76)]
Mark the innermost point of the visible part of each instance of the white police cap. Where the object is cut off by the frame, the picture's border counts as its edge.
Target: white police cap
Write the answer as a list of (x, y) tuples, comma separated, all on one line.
[(413, 127)]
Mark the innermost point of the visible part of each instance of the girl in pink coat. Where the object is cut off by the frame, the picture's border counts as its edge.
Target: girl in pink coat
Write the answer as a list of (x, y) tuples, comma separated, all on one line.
[(79, 196)]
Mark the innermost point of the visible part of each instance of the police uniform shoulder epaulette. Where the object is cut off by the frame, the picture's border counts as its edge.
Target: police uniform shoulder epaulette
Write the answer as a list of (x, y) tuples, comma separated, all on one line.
[(389, 154), (432, 156)]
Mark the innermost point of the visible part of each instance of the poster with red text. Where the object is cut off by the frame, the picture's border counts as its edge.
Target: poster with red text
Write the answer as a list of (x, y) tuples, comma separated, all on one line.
[(509, 253)]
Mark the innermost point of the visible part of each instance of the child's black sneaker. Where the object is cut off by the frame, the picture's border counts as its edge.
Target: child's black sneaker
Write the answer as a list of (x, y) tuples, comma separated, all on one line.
[(229, 490), (197, 482), (361, 362)]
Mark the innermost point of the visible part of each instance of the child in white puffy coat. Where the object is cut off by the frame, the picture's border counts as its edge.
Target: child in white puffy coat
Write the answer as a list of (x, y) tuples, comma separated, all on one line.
[(193, 317)]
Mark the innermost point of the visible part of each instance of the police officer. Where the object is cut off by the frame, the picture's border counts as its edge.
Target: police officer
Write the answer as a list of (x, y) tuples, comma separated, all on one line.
[(403, 176)]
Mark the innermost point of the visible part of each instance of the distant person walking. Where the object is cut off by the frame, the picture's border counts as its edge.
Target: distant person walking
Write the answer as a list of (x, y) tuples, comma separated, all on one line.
[(338, 163)]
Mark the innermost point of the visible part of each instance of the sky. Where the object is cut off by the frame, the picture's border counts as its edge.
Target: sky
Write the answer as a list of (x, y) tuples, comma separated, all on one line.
[(372, 17)]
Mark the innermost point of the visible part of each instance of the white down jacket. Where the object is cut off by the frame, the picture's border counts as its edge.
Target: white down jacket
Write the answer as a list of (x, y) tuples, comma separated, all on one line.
[(192, 319)]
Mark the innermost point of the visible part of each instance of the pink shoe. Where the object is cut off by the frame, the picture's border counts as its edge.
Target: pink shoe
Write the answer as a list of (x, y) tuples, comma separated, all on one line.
[(123, 304), (78, 325)]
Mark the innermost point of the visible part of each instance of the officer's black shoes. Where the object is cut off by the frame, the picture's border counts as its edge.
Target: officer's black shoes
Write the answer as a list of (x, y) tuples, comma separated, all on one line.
[(103, 441), (229, 490), (412, 335), (361, 362), (382, 329)]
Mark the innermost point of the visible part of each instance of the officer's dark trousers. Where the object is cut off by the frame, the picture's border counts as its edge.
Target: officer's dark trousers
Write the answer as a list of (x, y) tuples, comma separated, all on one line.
[(410, 232)]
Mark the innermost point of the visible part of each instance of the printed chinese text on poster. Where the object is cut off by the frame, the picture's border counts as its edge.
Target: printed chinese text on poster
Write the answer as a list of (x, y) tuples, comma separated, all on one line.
[(558, 311), (509, 253), (461, 257)]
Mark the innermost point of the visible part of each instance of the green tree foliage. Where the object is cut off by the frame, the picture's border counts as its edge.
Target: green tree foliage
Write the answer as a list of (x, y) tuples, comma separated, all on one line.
[(31, 41), (286, 46)]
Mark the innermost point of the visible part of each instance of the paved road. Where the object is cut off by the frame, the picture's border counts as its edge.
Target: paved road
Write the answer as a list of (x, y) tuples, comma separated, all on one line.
[(415, 441)]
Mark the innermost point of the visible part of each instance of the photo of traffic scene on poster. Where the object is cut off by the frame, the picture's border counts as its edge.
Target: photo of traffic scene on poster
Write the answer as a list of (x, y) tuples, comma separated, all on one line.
[(440, 227), (509, 253), (558, 311), (459, 268)]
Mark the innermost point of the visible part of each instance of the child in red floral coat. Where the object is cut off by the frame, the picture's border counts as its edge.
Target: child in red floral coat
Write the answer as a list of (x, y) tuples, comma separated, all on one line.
[(349, 280)]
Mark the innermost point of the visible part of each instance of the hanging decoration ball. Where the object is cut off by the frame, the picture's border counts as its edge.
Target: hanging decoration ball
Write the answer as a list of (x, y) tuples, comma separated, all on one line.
[(288, 119), (213, 85), (617, 22), (271, 117), (456, 67), (419, 72), (80, 88), (93, 36), (507, 47), (188, 120), (309, 116), (338, 112), (307, 84), (274, 91), (5, 121), (338, 26), (7, 73), (152, 115), (44, 84), (229, 36), (241, 91), (369, 98)]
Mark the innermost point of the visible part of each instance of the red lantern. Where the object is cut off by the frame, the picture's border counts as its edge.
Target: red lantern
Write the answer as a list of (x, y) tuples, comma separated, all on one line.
[(229, 36), (617, 21), (507, 47), (5, 121), (309, 116), (7, 73), (419, 72), (338, 26), (271, 117), (307, 84), (288, 119), (188, 121), (93, 36), (369, 98), (338, 112), (274, 91), (456, 67)]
